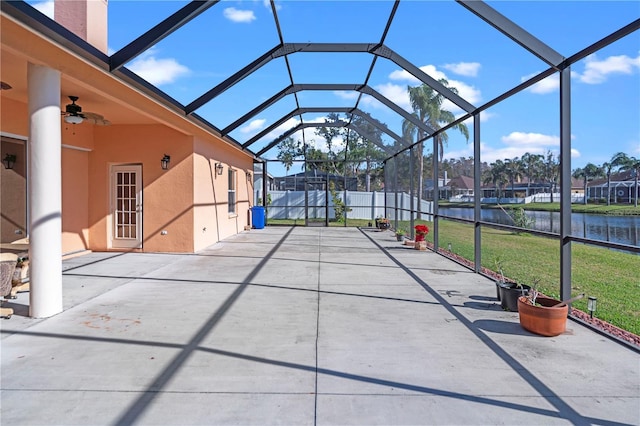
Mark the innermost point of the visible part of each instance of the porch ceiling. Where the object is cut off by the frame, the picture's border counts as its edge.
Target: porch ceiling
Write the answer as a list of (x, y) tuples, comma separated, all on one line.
[(14, 71)]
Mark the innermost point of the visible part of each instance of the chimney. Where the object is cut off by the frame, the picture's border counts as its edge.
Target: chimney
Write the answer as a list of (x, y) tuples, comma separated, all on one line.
[(85, 18)]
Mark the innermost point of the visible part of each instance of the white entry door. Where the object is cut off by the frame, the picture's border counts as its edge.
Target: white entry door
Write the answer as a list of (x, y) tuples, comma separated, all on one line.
[(126, 206)]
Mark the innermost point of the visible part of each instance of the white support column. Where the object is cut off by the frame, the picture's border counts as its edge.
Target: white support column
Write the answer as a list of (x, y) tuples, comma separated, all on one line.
[(45, 192)]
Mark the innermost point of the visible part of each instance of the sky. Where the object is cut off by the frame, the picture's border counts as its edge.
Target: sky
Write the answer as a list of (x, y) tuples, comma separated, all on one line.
[(442, 38)]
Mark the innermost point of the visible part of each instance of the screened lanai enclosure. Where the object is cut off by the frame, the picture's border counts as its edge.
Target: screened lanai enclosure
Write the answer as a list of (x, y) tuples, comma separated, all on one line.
[(401, 109), (354, 167)]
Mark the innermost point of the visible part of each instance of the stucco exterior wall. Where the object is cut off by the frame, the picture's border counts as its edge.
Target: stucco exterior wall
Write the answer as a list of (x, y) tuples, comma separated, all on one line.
[(77, 143), (75, 195), (212, 221), (13, 193), (14, 116), (75, 224), (188, 201), (167, 195), (13, 121)]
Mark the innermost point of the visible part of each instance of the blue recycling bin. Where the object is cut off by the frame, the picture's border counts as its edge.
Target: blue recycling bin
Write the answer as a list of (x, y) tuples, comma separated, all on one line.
[(257, 217)]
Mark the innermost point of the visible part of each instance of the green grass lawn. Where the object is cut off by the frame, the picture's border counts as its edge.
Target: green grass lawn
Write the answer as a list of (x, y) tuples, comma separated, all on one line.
[(611, 276)]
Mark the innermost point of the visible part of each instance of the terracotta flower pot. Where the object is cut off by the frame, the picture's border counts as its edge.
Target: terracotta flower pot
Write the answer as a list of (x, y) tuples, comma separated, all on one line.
[(420, 245), (545, 320)]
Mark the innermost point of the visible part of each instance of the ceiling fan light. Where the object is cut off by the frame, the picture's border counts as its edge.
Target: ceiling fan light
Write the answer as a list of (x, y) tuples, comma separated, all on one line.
[(73, 119)]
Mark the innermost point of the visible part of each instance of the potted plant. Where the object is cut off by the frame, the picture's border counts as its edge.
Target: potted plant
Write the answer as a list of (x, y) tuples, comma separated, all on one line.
[(544, 315), (421, 232), (382, 223), (508, 292), (400, 233)]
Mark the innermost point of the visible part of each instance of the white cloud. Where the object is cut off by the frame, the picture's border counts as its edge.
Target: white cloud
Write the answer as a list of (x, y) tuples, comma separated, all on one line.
[(344, 94), (465, 91), (530, 139), (488, 154), (158, 71), (237, 15), (486, 116), (396, 94), (516, 144), (469, 69), (254, 126), (596, 71), (431, 70), (310, 136), (548, 85), (287, 125), (468, 93), (45, 7)]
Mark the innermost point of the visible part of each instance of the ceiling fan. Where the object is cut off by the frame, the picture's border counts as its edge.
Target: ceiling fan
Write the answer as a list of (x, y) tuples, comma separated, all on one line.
[(73, 114)]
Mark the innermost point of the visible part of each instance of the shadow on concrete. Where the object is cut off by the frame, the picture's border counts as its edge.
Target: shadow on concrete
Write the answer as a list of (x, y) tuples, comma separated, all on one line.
[(565, 410), (502, 327)]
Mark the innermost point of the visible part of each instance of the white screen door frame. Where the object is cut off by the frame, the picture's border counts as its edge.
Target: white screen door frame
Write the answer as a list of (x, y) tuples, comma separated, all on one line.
[(126, 206)]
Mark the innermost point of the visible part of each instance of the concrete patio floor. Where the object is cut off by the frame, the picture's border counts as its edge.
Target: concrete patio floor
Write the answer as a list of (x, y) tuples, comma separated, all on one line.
[(300, 326)]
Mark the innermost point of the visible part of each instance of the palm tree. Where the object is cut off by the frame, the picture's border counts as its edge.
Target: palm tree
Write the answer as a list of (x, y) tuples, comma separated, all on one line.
[(628, 163), (496, 175), (532, 164), (607, 168), (551, 171), (589, 171), (514, 169), (427, 107), (288, 150)]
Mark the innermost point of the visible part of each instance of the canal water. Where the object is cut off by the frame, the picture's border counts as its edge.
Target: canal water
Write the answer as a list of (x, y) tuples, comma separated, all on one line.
[(617, 229)]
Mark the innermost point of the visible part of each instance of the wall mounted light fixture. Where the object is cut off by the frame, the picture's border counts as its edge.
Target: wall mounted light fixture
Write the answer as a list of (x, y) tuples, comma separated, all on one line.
[(164, 163), (219, 168), (249, 176), (9, 160)]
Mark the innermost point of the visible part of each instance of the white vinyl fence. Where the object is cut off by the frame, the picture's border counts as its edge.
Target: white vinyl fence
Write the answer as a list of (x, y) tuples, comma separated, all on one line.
[(362, 205), (536, 198)]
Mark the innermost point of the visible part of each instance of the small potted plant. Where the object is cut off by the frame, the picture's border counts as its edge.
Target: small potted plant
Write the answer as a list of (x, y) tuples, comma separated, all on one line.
[(400, 233), (508, 292), (382, 223), (421, 233)]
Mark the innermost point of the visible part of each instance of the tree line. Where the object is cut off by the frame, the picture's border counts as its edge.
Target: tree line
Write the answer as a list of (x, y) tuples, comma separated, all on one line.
[(358, 156), (362, 156), (619, 162)]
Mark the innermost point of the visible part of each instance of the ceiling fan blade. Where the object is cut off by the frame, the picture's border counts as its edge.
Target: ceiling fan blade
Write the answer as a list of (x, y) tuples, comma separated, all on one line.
[(97, 121), (93, 115), (95, 118)]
